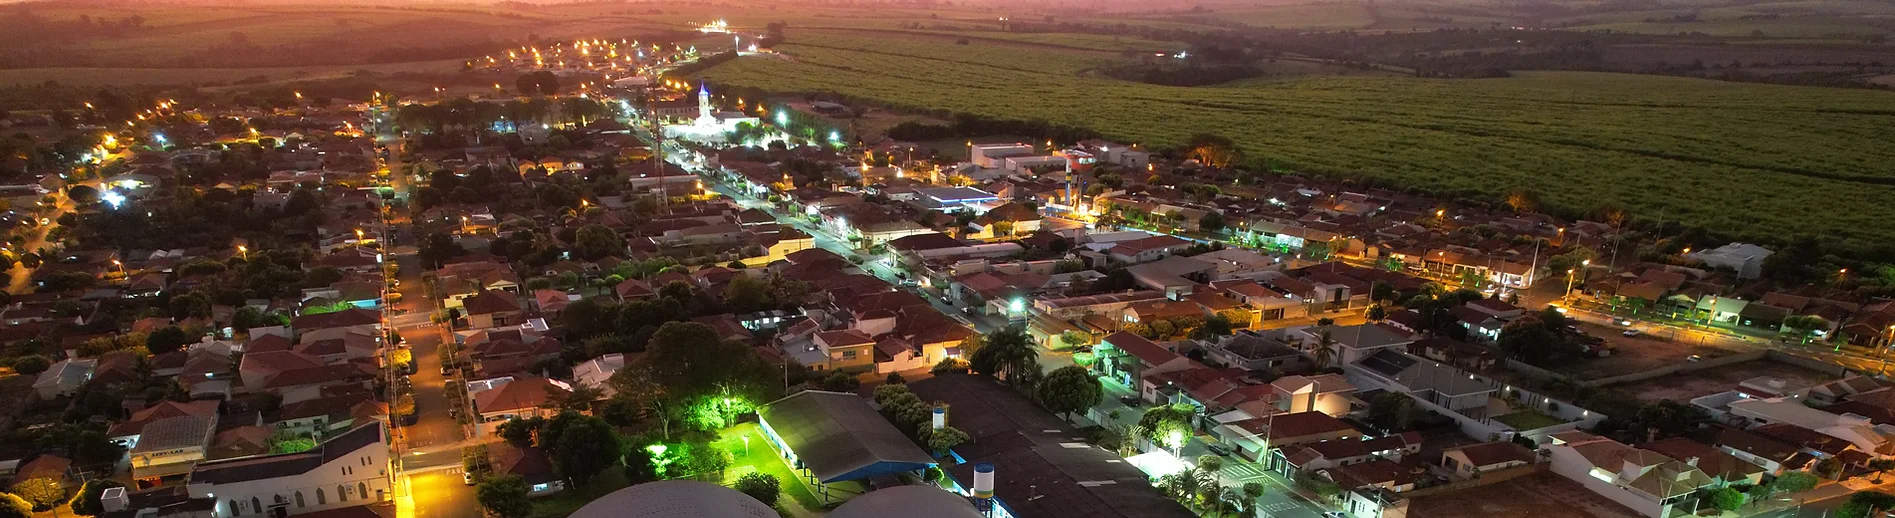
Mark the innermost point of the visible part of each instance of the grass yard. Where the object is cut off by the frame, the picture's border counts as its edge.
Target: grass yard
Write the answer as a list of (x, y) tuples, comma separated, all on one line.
[(1528, 420), (762, 458), (1799, 160)]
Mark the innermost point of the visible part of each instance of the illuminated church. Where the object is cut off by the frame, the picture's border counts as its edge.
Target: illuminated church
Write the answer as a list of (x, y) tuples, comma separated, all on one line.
[(710, 126)]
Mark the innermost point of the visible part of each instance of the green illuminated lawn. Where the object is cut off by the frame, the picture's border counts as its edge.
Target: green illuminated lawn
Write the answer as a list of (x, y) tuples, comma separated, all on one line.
[(762, 458), (1528, 420)]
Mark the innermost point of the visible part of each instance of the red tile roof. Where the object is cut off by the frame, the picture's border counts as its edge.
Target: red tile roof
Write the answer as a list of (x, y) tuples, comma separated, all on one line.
[(1141, 348)]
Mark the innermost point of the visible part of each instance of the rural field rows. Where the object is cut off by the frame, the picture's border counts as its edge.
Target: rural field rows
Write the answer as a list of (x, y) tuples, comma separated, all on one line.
[(1635, 140)]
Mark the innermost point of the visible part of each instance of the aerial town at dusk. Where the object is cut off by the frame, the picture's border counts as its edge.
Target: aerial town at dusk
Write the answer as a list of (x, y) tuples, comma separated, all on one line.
[(938, 259)]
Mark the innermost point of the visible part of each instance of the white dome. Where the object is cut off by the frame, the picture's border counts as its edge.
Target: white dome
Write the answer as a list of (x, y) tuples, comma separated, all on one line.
[(907, 502), (676, 499)]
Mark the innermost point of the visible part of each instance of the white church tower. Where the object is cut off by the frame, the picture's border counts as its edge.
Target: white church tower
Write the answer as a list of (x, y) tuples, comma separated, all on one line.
[(704, 116)]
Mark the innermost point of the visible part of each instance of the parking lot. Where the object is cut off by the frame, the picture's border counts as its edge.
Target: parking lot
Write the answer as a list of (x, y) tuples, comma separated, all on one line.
[(1719, 379), (1645, 351)]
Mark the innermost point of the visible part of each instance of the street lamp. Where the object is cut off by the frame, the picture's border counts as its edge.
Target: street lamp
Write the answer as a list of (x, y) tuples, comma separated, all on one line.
[(245, 251)]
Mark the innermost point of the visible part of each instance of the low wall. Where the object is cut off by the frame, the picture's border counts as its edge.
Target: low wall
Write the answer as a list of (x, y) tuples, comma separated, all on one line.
[(1677, 368), (1807, 363), (1491, 477)]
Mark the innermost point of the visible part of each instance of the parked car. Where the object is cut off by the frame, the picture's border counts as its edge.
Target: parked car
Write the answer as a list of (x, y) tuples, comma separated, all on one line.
[(1693, 358), (467, 477), (1630, 332), (1218, 449), (1131, 401)]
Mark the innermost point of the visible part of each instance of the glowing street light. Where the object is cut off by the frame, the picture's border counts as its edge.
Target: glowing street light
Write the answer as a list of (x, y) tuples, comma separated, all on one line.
[(245, 251)]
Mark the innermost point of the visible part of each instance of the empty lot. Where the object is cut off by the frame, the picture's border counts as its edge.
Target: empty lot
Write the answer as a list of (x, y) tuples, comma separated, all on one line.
[(1545, 495), (1686, 385)]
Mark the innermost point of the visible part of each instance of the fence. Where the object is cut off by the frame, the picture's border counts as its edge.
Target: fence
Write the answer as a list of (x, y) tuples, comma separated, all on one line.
[(1491, 477)]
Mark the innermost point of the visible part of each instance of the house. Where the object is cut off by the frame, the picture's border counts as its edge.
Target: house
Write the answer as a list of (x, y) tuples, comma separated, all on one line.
[(1344, 452), (1744, 258), (847, 350), (126, 433), (1351, 344), (322, 417), (1852, 429), (1772, 455), (597, 371), (1129, 357), (488, 308), (1146, 249), (1470, 461), (172, 446), (1255, 351), (1646, 481), (1721, 466), (531, 465), (1326, 393), (64, 377), (348, 470), (1279, 431), (44, 466), (514, 397)]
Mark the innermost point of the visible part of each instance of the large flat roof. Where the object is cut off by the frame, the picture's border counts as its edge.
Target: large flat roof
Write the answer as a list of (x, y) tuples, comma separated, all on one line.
[(838, 437)]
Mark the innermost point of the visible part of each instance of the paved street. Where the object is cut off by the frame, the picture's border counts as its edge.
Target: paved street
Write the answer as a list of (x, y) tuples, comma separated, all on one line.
[(430, 470)]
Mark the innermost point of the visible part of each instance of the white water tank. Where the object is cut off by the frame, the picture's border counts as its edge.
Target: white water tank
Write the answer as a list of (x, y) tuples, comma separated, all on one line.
[(113, 499), (984, 480), (940, 417)]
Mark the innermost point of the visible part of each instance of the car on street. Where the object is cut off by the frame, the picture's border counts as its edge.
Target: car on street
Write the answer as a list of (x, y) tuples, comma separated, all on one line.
[(1218, 449), (467, 477), (1693, 358), (1630, 332), (1131, 401), (1334, 514)]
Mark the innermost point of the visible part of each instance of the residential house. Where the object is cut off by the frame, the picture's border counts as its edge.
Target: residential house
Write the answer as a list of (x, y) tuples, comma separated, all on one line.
[(64, 377), (516, 397), (170, 447), (489, 308), (1127, 358), (1266, 351), (1721, 466), (1263, 438), (1470, 461), (1326, 393), (1646, 481)]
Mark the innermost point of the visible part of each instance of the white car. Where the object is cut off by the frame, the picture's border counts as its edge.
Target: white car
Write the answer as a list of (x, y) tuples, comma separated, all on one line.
[(467, 477), (1630, 332)]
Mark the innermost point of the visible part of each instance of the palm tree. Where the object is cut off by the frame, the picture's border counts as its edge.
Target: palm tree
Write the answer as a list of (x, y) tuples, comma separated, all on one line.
[(1325, 351)]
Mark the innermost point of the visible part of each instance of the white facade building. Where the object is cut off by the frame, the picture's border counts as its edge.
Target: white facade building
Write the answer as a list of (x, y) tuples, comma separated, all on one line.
[(349, 470)]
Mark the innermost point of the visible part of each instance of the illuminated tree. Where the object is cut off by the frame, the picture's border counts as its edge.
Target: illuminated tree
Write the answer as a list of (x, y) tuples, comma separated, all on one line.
[(12, 506), (42, 493), (1213, 150)]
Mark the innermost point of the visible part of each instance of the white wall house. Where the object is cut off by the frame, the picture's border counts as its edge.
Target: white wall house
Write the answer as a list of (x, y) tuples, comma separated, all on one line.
[(1643, 480), (349, 470)]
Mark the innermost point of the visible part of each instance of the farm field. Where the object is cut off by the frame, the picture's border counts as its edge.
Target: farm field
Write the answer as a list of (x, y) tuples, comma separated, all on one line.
[(1757, 161), (202, 76)]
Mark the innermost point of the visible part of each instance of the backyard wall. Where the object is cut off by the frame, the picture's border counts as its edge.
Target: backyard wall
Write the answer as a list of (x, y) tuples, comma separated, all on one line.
[(1485, 478), (1807, 363)]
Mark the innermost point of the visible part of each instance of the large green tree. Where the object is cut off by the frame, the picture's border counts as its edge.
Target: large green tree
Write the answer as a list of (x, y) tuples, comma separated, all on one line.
[(584, 447), (12, 506), (1069, 389), (685, 364), (504, 496), (595, 241), (1007, 351)]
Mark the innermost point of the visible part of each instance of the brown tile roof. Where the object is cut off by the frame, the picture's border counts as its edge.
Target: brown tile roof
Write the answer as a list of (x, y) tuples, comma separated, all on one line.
[(522, 393), (1491, 453), (1141, 348), (1710, 460), (487, 302)]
